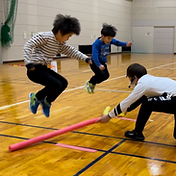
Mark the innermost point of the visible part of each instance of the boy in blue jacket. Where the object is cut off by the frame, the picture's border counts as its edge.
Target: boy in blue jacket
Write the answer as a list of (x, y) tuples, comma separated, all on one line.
[(100, 51)]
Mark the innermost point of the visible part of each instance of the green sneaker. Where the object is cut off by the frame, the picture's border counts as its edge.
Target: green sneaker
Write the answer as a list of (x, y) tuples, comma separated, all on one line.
[(93, 87), (90, 87), (45, 107), (33, 103)]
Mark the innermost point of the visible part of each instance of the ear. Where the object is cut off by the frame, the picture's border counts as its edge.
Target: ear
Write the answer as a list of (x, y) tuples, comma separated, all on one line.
[(60, 33)]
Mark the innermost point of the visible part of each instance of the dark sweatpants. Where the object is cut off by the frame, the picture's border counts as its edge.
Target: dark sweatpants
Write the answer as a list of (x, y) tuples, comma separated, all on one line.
[(158, 104), (54, 83), (100, 75)]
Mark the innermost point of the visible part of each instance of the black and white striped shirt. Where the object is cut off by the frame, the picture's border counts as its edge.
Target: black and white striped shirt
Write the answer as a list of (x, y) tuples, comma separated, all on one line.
[(41, 49)]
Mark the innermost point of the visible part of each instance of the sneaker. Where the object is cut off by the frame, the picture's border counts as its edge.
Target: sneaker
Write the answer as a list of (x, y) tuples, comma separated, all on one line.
[(33, 103), (90, 87), (45, 107), (132, 134), (93, 87)]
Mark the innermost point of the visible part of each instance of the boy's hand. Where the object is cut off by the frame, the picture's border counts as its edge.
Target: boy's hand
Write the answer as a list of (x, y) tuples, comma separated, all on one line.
[(104, 119), (31, 69), (101, 67), (129, 44), (89, 61)]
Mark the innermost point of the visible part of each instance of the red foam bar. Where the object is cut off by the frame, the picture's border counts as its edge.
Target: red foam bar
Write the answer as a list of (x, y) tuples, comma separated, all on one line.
[(35, 140)]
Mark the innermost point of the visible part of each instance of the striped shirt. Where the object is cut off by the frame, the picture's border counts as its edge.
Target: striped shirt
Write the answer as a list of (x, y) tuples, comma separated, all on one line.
[(41, 49)]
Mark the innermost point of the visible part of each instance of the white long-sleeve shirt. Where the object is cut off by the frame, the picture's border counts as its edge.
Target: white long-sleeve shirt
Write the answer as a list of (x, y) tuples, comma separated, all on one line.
[(41, 49), (149, 86)]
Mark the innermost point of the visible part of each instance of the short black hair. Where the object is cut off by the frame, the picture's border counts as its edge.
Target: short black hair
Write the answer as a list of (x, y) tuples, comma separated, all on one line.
[(108, 30), (66, 24), (137, 70)]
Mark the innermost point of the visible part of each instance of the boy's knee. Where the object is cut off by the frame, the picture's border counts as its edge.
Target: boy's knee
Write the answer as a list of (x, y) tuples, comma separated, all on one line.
[(65, 83), (105, 76)]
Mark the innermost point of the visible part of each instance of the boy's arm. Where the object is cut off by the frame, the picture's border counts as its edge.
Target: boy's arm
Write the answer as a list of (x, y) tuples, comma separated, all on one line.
[(72, 52), (34, 42), (119, 43), (137, 93), (123, 105), (136, 103), (95, 54)]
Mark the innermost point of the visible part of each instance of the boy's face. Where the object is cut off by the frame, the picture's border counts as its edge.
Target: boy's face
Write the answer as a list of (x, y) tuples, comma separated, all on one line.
[(133, 81), (62, 38), (106, 39)]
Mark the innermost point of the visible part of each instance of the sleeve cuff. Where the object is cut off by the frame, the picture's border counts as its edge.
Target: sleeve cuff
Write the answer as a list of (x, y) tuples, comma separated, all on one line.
[(112, 114), (30, 65), (87, 60)]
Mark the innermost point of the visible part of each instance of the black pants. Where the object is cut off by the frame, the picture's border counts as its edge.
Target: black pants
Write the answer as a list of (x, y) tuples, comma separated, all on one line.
[(54, 83), (158, 104), (100, 75)]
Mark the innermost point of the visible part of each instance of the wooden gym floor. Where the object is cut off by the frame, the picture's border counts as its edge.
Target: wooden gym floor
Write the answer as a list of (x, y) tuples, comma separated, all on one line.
[(115, 155)]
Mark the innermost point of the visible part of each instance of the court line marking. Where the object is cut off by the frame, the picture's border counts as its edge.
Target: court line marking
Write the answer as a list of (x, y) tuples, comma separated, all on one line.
[(109, 152), (99, 158), (102, 156), (7, 106), (110, 90)]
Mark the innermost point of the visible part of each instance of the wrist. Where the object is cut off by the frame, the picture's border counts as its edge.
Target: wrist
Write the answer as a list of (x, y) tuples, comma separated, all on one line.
[(109, 116), (87, 60)]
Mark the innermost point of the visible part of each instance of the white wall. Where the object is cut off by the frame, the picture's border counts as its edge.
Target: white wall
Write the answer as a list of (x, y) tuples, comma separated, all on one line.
[(142, 39), (150, 13), (38, 15), (163, 41)]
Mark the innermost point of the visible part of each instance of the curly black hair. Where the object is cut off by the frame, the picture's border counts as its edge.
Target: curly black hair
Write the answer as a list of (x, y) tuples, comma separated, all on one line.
[(66, 24), (108, 30)]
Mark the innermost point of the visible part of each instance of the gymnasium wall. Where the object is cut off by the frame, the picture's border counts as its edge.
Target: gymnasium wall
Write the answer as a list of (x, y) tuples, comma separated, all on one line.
[(156, 14), (37, 15)]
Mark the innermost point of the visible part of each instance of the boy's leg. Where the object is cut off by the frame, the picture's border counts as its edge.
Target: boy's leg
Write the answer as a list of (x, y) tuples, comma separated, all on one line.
[(58, 86), (54, 84), (33, 75), (158, 104), (174, 134), (100, 76)]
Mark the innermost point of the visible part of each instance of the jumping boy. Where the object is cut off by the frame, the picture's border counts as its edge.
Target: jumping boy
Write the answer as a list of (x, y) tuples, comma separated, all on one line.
[(100, 51), (39, 52), (153, 93)]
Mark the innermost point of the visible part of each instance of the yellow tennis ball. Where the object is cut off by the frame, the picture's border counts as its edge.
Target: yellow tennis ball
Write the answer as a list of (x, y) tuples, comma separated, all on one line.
[(106, 111)]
